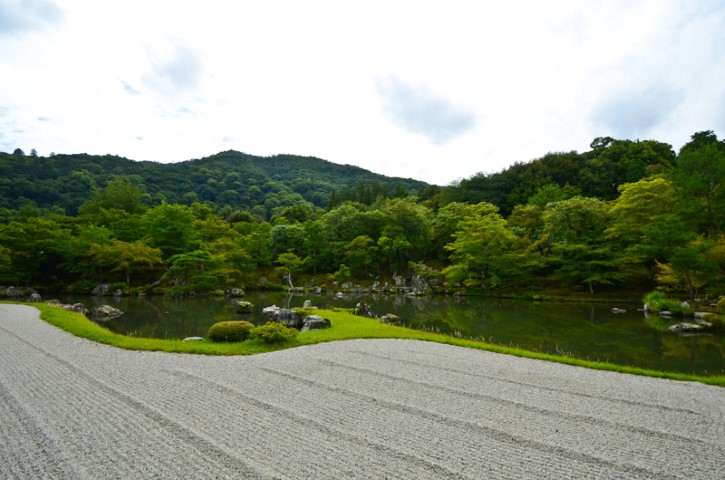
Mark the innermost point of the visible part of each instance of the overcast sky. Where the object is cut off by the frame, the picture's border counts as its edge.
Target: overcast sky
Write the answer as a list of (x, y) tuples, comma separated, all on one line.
[(433, 90)]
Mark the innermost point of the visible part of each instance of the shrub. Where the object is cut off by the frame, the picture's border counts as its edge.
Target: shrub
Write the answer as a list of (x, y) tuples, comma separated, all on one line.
[(721, 306), (658, 302), (230, 331), (274, 332)]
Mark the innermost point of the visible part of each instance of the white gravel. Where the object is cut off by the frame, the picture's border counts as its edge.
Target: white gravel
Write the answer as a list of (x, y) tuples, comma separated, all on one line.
[(372, 409)]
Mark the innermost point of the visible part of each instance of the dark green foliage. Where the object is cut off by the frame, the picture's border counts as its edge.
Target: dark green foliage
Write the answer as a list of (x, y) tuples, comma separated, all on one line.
[(230, 331), (274, 332), (596, 173), (264, 186)]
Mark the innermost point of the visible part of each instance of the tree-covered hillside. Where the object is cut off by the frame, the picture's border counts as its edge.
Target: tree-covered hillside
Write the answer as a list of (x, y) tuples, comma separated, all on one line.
[(262, 185), (625, 215)]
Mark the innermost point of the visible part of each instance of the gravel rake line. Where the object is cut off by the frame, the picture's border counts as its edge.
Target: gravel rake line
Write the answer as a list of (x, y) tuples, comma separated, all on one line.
[(660, 435), (114, 414), (416, 466), (497, 378), (590, 462), (71, 408)]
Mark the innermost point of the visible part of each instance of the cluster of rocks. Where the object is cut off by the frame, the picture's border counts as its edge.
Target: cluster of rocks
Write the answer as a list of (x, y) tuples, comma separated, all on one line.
[(365, 310), (697, 326), (293, 319)]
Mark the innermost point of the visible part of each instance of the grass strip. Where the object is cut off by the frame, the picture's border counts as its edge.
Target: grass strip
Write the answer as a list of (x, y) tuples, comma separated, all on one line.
[(345, 326)]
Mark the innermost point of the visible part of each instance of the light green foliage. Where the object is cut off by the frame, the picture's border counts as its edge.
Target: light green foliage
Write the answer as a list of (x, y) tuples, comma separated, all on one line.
[(658, 301), (482, 250), (646, 220), (576, 229), (230, 331), (721, 306), (289, 264), (125, 257), (274, 332), (170, 228), (552, 192)]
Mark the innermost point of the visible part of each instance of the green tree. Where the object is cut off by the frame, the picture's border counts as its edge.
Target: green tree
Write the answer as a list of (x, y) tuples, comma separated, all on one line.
[(192, 272), (289, 264), (120, 193), (361, 254), (486, 252), (580, 251), (125, 257), (700, 174), (170, 228)]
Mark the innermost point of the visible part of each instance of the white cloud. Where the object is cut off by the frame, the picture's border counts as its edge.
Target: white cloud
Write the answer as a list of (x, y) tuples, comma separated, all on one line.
[(433, 90)]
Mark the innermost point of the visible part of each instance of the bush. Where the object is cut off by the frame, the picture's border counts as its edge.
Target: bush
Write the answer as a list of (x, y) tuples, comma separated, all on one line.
[(274, 332), (230, 331), (721, 306), (658, 302)]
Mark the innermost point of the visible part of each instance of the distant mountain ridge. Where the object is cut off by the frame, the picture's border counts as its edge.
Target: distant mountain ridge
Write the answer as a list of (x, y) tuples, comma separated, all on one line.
[(242, 181)]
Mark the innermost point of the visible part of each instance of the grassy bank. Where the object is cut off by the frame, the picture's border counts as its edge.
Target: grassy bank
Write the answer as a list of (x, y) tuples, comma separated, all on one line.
[(345, 326)]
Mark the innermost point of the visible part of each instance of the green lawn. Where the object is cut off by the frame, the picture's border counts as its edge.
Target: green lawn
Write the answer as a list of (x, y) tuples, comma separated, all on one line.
[(345, 326)]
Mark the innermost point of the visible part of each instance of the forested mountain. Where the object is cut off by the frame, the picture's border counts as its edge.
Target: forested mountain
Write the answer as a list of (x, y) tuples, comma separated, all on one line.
[(627, 214), (595, 173), (261, 185)]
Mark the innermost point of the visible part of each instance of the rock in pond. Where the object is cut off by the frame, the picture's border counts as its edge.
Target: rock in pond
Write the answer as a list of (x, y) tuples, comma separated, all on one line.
[(618, 310), (244, 307), (104, 313), (686, 327)]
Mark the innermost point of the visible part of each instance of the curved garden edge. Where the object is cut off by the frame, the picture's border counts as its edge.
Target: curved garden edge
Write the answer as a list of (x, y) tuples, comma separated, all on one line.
[(346, 326)]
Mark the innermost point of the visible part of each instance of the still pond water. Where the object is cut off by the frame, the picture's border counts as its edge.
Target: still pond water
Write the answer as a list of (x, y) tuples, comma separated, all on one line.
[(588, 331)]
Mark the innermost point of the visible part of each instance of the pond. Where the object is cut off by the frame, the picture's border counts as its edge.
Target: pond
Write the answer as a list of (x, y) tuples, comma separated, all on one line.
[(588, 331)]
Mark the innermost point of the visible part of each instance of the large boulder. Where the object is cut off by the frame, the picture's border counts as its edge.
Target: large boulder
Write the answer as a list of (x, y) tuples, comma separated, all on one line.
[(314, 322), (12, 292), (104, 313), (35, 297), (282, 315)]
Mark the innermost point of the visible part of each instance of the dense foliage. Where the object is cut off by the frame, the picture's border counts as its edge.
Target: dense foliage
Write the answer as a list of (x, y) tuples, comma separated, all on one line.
[(260, 185), (625, 213)]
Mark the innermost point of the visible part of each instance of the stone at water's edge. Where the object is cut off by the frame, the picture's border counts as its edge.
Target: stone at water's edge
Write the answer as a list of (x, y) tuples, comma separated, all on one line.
[(235, 292), (100, 290), (364, 310), (282, 315), (314, 322), (390, 319), (104, 313), (244, 307), (12, 292)]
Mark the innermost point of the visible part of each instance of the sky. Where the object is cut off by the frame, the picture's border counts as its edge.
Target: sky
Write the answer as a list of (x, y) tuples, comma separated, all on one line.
[(432, 90)]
